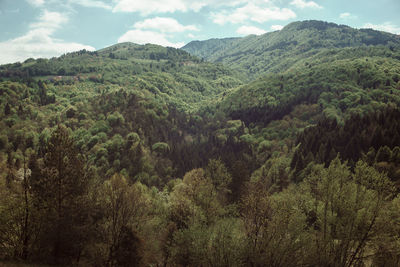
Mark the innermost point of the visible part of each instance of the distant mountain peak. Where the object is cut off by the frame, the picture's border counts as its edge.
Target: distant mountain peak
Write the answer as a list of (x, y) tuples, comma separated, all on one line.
[(279, 50), (313, 24)]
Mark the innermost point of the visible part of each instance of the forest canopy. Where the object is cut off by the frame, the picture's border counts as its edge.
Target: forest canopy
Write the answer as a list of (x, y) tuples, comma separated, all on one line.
[(286, 153)]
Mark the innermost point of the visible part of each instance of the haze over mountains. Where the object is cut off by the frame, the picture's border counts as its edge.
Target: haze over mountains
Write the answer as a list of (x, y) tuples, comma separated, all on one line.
[(297, 129)]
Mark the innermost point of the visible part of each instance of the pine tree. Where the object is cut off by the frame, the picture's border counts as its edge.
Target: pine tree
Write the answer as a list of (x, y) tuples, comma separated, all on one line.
[(59, 188), (7, 109)]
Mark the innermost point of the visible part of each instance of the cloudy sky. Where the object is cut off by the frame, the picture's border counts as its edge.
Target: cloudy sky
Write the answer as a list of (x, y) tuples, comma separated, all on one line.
[(47, 28)]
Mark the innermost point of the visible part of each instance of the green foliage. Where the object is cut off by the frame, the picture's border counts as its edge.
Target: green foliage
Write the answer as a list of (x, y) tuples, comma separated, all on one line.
[(115, 119), (341, 88), (160, 147), (348, 204), (220, 177), (59, 188), (123, 207), (192, 163), (299, 43), (378, 131)]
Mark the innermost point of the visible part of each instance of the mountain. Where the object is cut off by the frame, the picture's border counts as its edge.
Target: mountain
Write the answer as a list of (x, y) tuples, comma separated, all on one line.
[(303, 64), (169, 73), (203, 109), (205, 49), (148, 90), (280, 149), (278, 51), (341, 86)]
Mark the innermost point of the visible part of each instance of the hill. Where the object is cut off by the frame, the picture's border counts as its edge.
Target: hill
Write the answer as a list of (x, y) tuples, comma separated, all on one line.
[(276, 150), (199, 109), (108, 96), (341, 85), (280, 50), (206, 49), (169, 73)]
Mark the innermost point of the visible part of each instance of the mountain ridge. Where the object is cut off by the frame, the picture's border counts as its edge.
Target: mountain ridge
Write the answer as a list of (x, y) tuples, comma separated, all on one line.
[(274, 51), (150, 156)]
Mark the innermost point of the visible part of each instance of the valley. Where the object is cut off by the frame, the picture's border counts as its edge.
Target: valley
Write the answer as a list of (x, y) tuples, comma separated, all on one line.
[(281, 149)]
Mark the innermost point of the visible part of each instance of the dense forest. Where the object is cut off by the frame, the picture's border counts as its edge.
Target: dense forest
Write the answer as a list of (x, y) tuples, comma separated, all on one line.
[(275, 150)]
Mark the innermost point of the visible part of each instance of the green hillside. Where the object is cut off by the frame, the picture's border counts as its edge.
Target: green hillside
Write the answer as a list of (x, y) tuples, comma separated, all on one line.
[(273, 150), (280, 50), (168, 73), (108, 96), (355, 85)]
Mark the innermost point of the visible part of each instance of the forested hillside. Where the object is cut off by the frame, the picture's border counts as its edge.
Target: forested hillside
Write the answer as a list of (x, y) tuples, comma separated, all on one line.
[(293, 45), (272, 150)]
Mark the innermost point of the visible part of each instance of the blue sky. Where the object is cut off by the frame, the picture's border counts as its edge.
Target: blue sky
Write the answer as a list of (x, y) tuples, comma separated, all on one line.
[(47, 28)]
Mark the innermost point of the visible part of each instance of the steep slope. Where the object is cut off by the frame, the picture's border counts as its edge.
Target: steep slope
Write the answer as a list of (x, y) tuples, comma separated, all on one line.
[(271, 111), (278, 51), (340, 87), (130, 107), (373, 137), (185, 111)]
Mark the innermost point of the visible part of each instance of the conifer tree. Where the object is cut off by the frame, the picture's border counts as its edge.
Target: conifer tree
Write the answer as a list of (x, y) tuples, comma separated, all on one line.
[(7, 109), (59, 188)]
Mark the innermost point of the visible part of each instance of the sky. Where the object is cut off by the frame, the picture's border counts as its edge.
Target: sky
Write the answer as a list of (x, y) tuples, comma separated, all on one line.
[(48, 28)]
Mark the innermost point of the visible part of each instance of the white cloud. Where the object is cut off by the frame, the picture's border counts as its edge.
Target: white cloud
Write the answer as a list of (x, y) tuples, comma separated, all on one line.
[(91, 3), (276, 27), (163, 25), (38, 41), (386, 27), (169, 6), (224, 17), (145, 37), (253, 12), (156, 31), (153, 6), (36, 3), (347, 15), (304, 4), (50, 20), (247, 30)]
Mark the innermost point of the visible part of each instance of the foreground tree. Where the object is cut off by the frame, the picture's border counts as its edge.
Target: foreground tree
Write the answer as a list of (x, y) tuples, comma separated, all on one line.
[(274, 225), (347, 208), (17, 212), (59, 188), (123, 208)]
